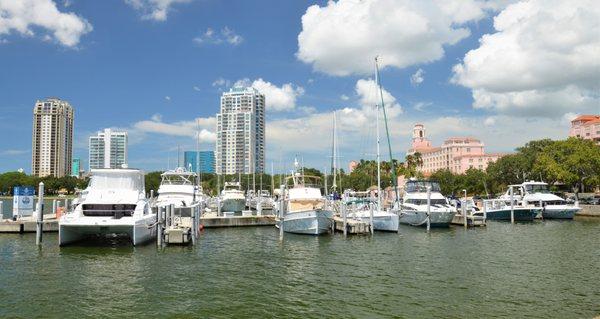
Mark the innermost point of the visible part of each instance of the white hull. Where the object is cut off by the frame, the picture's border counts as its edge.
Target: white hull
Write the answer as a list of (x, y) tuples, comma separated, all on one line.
[(139, 231), (419, 218), (559, 211), (382, 221), (310, 222), (233, 205)]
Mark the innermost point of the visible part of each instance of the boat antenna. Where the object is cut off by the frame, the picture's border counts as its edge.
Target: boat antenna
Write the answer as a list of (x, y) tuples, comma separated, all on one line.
[(387, 131)]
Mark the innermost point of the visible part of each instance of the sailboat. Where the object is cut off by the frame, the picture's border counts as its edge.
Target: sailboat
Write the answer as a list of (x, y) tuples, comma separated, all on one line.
[(361, 207)]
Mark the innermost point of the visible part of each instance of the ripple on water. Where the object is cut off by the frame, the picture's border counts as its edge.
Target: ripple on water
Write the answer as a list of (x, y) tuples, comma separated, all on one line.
[(541, 269)]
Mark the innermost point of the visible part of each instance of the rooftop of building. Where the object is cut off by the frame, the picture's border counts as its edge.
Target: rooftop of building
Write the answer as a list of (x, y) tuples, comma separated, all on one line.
[(463, 139), (586, 118), (482, 155), (241, 90)]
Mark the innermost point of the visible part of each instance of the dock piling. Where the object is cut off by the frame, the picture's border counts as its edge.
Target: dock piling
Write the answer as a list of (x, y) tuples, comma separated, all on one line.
[(512, 206), (345, 217), (484, 212), (281, 210), (40, 215), (371, 218), (428, 208), (464, 209), (1, 210), (159, 226)]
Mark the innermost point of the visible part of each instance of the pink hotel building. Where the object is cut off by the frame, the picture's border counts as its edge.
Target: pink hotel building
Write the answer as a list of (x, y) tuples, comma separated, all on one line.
[(457, 154), (586, 127)]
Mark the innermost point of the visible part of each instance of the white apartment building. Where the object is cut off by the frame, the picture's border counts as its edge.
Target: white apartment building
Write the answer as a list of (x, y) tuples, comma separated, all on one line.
[(240, 146), (52, 138), (108, 149)]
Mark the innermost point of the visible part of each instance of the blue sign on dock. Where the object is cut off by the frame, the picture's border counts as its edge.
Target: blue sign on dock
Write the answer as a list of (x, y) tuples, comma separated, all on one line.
[(24, 191)]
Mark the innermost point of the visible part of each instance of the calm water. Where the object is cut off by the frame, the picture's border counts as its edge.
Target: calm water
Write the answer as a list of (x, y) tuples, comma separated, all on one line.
[(544, 269)]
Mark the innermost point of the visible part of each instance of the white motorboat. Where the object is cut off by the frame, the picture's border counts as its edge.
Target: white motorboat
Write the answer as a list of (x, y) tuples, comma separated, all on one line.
[(179, 187), (537, 194), (359, 206), (304, 207), (114, 203), (263, 198), (413, 209), (232, 198)]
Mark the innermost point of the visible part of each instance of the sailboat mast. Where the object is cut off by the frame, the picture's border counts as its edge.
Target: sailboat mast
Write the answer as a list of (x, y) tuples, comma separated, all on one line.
[(378, 148), (334, 156), (387, 131)]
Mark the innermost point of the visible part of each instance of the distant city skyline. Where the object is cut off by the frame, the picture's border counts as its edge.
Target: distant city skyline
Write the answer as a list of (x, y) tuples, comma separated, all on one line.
[(52, 138), (502, 71), (108, 149)]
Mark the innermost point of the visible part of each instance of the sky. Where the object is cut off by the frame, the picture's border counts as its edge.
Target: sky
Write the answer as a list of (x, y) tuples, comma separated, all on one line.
[(503, 71)]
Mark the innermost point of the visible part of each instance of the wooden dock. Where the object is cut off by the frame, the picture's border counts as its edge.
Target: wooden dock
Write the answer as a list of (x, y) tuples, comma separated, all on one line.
[(213, 221), (472, 221), (28, 225), (353, 226)]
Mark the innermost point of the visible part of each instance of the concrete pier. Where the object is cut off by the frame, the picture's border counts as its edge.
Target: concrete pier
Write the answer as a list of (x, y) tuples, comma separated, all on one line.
[(589, 211), (29, 225), (353, 226), (237, 221)]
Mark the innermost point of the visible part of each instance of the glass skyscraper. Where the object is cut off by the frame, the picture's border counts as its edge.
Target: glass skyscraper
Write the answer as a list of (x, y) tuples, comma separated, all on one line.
[(108, 149), (206, 161)]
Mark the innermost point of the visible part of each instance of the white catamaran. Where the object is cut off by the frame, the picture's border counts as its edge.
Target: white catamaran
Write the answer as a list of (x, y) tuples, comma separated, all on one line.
[(113, 203)]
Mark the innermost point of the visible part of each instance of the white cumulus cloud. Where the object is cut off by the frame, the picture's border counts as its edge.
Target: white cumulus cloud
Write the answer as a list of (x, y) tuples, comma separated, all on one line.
[(277, 98), (156, 10), (541, 61), (199, 127), (27, 16), (342, 37), (369, 97), (418, 77)]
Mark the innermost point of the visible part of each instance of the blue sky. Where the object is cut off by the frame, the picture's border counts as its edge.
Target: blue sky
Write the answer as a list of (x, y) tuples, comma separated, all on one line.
[(154, 66)]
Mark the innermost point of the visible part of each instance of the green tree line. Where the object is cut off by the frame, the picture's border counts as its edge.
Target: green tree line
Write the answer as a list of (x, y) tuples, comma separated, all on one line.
[(573, 163)]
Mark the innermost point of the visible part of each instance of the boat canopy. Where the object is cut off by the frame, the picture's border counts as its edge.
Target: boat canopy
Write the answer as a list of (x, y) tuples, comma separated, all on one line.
[(178, 176), (420, 186), (123, 179)]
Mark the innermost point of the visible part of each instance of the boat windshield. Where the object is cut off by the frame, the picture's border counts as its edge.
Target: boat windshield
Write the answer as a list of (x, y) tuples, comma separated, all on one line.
[(537, 188), (178, 180), (421, 186), (117, 181), (416, 201)]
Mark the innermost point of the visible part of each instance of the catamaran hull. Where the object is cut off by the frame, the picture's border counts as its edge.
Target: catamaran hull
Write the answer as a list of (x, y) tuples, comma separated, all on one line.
[(559, 212), (312, 222), (520, 214), (418, 218), (139, 232), (233, 205)]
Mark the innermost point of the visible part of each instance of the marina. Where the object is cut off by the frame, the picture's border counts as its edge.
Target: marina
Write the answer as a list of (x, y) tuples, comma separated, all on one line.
[(300, 159), (447, 273)]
